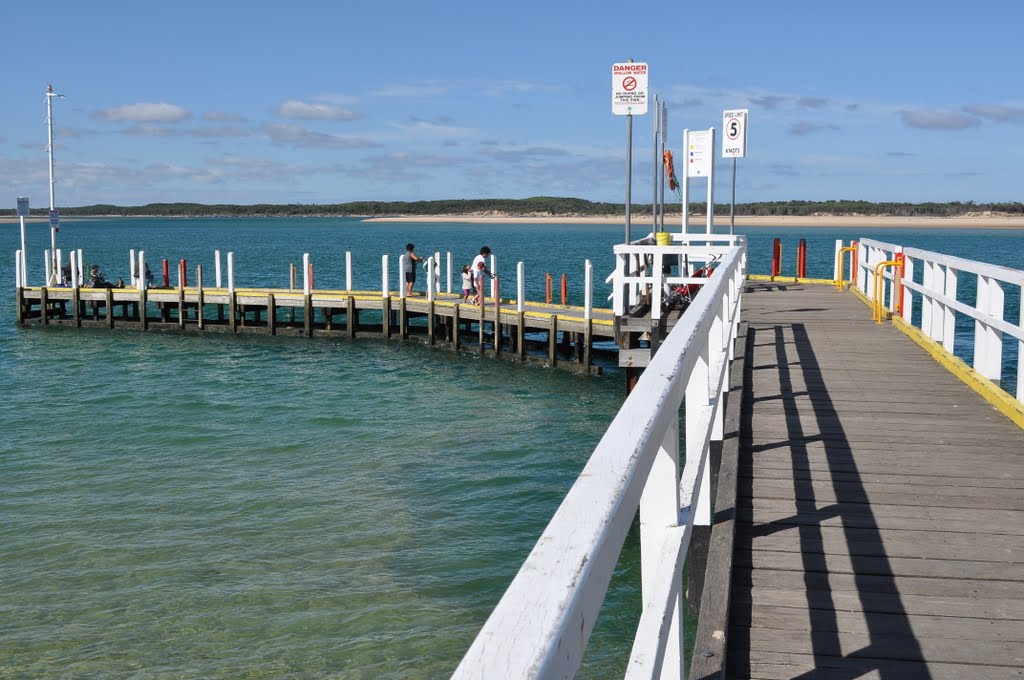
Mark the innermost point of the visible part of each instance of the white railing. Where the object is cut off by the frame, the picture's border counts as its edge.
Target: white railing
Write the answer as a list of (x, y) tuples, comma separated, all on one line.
[(639, 267), (941, 277), (540, 627)]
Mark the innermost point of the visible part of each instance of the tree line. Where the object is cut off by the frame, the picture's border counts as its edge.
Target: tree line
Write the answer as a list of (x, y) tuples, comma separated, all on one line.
[(540, 205)]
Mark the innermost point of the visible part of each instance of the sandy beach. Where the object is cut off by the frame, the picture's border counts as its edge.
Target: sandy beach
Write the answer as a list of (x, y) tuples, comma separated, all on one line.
[(697, 222)]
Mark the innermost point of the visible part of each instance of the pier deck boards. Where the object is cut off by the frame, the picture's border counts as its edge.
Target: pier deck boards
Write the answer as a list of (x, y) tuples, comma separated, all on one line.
[(880, 511)]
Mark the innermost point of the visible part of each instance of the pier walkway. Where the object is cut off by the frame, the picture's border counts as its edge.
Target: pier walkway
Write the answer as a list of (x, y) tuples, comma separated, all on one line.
[(879, 510)]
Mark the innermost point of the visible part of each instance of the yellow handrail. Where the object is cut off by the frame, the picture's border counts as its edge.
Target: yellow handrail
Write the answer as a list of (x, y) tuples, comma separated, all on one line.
[(878, 287), (852, 248)]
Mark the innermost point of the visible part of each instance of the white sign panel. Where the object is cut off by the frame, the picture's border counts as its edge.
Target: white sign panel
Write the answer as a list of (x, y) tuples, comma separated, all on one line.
[(700, 153), (734, 133), (629, 89), (22, 206)]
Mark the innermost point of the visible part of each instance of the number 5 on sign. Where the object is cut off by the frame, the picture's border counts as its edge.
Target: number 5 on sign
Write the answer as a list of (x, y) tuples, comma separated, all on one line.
[(734, 135)]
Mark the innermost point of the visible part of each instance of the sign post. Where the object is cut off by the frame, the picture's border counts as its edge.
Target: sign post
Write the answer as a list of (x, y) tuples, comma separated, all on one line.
[(734, 145), (22, 214), (629, 97)]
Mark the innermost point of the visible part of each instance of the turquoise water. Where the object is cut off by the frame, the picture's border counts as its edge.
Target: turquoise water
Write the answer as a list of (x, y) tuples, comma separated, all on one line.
[(214, 506)]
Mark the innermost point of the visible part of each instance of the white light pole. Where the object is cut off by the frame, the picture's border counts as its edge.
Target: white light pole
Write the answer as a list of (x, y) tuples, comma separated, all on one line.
[(50, 94)]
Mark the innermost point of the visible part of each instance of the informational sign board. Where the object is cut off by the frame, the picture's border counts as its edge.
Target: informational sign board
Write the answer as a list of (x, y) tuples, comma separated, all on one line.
[(629, 89), (22, 206), (55, 218), (699, 153), (734, 133)]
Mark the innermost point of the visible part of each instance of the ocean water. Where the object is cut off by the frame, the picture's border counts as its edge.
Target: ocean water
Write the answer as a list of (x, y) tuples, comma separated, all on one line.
[(232, 507)]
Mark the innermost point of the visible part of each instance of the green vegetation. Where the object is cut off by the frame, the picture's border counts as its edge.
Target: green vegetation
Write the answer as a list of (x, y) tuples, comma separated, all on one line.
[(541, 205)]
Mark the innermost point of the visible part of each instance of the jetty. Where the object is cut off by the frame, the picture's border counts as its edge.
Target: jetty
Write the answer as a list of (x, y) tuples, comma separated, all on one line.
[(827, 473)]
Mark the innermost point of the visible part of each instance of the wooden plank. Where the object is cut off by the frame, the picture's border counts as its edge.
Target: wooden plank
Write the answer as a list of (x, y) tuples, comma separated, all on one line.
[(775, 665)]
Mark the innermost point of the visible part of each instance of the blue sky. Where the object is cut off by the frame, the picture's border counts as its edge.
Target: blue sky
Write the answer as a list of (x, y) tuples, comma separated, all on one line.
[(324, 102)]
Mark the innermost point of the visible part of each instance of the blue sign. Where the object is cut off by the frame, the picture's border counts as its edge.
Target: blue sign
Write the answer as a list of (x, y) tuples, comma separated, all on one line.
[(54, 218), (22, 206)]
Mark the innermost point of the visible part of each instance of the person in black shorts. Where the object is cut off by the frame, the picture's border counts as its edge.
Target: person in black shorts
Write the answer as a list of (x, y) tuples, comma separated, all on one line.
[(411, 260)]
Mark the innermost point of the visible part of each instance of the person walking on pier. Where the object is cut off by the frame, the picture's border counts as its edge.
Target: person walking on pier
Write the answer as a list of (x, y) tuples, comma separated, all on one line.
[(479, 268), (411, 259)]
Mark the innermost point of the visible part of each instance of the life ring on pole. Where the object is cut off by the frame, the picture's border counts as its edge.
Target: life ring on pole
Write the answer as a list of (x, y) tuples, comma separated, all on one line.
[(670, 171)]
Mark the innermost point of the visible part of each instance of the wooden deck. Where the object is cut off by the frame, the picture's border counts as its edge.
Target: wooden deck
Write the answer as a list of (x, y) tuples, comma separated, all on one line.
[(880, 511)]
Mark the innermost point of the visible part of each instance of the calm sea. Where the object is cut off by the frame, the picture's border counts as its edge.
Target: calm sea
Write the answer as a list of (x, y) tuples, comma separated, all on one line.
[(215, 507)]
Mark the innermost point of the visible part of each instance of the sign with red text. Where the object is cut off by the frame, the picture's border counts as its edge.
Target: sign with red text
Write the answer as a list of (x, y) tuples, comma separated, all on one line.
[(734, 133), (629, 89)]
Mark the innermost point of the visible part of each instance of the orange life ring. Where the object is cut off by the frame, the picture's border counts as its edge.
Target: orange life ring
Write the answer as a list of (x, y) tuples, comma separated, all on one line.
[(670, 171)]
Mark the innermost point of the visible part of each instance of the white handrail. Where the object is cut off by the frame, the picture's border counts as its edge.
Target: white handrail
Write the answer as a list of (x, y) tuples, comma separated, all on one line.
[(941, 277), (540, 627)]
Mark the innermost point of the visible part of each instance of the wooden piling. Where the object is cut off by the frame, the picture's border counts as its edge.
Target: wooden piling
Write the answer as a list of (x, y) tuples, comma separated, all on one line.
[(385, 321), (350, 317), (110, 308), (19, 298), (553, 340), (430, 323), (521, 336), (271, 314), (307, 315), (76, 301), (181, 308), (44, 306), (588, 332), (143, 317), (232, 311), (403, 320), (455, 326)]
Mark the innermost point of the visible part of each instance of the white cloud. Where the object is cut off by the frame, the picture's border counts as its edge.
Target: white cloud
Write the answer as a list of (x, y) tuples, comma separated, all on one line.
[(938, 120), (314, 111), (145, 112), (217, 117), (1000, 114), (298, 136)]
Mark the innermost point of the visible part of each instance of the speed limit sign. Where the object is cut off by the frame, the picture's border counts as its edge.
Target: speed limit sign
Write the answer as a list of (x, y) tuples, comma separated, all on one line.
[(734, 133)]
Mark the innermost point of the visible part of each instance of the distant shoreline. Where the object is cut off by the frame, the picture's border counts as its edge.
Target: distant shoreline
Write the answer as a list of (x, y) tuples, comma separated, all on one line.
[(697, 222)]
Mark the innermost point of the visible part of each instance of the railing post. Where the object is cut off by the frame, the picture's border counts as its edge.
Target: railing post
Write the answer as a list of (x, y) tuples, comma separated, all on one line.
[(448, 266), (659, 516), (402, 259), (838, 254), (305, 274), (988, 341), (384, 292), (948, 318), (908, 295)]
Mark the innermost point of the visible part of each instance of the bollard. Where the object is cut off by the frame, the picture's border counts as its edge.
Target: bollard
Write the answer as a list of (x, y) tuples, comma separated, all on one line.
[(547, 289), (776, 257), (167, 274), (291, 276), (565, 289), (801, 259), (184, 273)]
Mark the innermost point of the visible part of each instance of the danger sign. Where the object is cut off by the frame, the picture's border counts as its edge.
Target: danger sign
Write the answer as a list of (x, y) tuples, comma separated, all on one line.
[(629, 89), (734, 133)]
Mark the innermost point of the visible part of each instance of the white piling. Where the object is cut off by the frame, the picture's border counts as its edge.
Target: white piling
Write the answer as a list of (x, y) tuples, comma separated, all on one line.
[(141, 267), (216, 267), (131, 271), (449, 289), (402, 259), (305, 274), (588, 291), (81, 272), (520, 285), (348, 270), (384, 292), (431, 269), (23, 260), (18, 280), (74, 272), (47, 268), (231, 272), (494, 276), (59, 263)]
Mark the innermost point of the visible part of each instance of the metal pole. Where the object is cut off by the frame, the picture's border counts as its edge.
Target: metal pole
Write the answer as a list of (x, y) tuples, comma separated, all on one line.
[(686, 181), (654, 167), (661, 165), (629, 173), (732, 206), (23, 281)]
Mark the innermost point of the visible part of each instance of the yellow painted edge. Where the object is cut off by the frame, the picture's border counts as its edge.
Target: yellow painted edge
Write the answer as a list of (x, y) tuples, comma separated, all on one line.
[(789, 279), (990, 392), (860, 296)]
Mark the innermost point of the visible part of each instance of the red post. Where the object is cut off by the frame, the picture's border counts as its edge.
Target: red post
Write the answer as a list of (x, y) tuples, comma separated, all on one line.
[(776, 257), (184, 273), (565, 290), (167, 274), (311, 286), (801, 259), (547, 289)]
